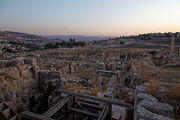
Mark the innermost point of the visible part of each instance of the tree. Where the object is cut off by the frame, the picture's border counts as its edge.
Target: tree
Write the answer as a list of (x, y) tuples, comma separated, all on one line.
[(49, 45), (70, 40), (73, 40)]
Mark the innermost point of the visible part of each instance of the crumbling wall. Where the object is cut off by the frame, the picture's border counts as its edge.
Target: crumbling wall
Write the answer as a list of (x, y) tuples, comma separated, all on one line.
[(18, 82), (49, 81), (47, 78)]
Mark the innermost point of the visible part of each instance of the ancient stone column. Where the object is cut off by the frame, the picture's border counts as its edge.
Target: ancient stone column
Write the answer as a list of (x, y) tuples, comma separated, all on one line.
[(103, 54), (126, 57), (172, 43), (115, 85), (133, 74), (114, 66), (70, 68), (99, 79)]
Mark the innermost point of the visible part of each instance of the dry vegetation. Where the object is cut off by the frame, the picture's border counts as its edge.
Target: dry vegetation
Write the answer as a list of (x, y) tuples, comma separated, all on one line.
[(155, 75), (72, 87), (79, 87), (146, 70), (174, 90), (153, 87)]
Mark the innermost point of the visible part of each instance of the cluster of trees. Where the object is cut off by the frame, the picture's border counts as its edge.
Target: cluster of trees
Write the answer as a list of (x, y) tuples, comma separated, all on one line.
[(68, 44), (33, 46)]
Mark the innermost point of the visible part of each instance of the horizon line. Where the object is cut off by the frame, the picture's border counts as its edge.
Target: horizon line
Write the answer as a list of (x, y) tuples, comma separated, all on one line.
[(85, 34)]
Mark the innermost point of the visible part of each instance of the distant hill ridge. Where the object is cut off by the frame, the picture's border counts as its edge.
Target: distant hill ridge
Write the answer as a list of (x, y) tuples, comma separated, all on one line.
[(19, 36), (77, 37), (11, 35)]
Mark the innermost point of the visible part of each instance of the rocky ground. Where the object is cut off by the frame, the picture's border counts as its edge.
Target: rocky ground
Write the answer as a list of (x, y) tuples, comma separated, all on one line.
[(145, 78)]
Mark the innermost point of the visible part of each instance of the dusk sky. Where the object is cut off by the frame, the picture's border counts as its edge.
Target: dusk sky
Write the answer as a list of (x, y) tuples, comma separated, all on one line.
[(90, 17)]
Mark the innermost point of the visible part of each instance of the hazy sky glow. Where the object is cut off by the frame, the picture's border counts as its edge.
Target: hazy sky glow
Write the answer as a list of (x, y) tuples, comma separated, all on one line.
[(90, 17)]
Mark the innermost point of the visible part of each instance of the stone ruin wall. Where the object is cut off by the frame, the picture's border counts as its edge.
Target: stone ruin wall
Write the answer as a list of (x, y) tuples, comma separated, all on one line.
[(18, 82)]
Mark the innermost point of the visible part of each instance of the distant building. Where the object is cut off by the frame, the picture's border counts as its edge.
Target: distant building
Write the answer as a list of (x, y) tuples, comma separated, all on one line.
[(2, 38)]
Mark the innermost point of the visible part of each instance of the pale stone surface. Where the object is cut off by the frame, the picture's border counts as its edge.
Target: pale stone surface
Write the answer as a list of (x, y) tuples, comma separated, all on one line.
[(157, 107), (144, 114), (151, 107), (30, 61), (5, 63), (18, 61), (162, 94), (145, 96), (118, 112), (142, 88)]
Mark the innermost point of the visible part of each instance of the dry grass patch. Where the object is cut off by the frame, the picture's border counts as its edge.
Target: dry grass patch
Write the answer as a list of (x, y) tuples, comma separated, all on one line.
[(174, 91), (153, 87), (94, 92), (146, 72), (72, 87)]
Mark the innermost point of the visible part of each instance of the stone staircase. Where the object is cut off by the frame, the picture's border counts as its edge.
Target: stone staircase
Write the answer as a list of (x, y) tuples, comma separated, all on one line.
[(6, 113)]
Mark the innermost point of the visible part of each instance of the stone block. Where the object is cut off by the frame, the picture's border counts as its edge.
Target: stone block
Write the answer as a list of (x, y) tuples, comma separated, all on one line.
[(18, 61), (143, 114), (145, 96), (55, 75), (30, 61), (157, 107)]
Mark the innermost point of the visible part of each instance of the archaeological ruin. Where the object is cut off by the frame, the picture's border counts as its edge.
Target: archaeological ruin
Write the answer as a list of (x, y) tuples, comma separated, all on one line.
[(94, 82)]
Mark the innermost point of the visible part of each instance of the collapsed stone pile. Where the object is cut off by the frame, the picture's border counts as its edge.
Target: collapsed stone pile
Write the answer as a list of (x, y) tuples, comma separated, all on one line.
[(149, 107)]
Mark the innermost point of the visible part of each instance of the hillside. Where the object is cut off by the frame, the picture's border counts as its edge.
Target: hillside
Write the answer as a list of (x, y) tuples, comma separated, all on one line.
[(17, 36), (77, 37)]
